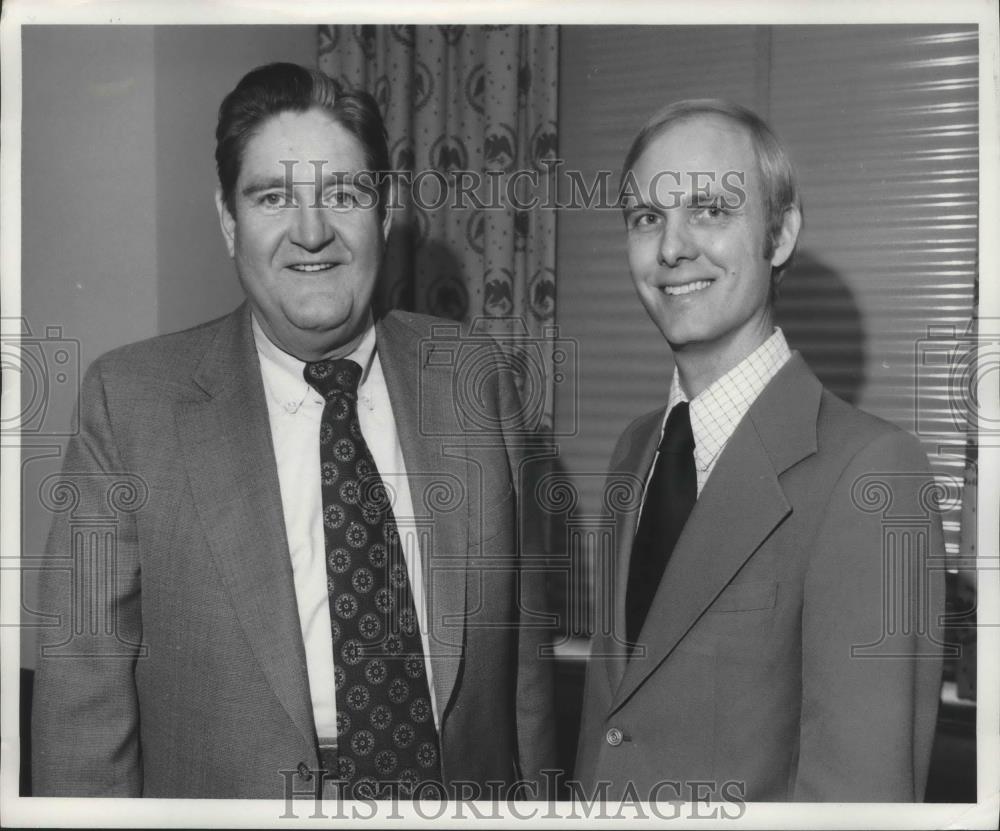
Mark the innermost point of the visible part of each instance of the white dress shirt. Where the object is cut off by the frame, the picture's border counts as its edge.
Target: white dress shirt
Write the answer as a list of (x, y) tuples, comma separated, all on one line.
[(718, 409), (295, 410)]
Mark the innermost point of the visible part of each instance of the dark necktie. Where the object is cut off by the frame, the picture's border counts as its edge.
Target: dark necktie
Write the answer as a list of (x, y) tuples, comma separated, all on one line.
[(385, 727), (672, 491)]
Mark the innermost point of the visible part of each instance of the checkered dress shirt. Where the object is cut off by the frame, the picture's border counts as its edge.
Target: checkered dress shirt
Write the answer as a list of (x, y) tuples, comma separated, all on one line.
[(718, 409)]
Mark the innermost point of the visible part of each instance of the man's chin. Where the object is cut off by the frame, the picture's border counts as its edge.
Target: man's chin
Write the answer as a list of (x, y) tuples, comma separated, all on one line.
[(679, 336), (319, 336), (319, 315), (312, 325)]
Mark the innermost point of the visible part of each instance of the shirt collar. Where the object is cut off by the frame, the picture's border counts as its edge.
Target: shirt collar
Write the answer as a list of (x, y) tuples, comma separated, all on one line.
[(282, 372), (718, 409)]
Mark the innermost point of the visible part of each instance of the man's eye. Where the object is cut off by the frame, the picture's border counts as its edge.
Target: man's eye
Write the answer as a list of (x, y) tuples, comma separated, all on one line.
[(342, 199), (713, 210), (274, 200), (643, 219)]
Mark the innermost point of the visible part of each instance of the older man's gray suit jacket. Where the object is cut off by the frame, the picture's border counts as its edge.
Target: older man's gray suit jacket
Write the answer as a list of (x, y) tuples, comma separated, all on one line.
[(178, 668)]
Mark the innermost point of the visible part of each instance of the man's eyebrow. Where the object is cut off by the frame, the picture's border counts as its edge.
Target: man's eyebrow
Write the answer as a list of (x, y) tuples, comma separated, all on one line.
[(632, 207), (260, 185), (283, 182)]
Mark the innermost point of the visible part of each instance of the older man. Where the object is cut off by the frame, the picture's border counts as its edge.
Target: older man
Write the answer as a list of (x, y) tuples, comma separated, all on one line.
[(316, 582), (770, 642)]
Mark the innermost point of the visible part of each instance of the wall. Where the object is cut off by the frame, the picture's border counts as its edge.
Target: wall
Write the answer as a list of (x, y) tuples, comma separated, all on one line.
[(89, 243)]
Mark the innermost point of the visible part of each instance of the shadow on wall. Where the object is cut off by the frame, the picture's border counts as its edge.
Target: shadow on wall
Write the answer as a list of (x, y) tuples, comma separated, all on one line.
[(394, 289), (402, 285), (441, 282), (820, 318)]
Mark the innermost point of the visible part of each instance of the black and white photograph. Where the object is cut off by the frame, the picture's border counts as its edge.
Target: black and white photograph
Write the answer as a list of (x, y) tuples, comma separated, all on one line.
[(527, 415)]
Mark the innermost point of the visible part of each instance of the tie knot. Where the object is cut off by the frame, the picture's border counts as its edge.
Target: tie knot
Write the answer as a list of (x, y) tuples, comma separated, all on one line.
[(332, 376), (677, 437)]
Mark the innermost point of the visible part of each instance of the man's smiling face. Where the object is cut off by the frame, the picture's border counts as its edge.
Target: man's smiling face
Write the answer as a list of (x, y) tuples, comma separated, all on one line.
[(308, 257), (695, 250)]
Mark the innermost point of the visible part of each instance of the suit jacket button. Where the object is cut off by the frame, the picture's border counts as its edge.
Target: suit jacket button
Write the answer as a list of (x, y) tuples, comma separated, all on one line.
[(614, 737), (304, 771)]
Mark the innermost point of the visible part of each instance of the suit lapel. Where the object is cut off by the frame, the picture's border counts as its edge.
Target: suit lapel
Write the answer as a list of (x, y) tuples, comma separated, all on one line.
[(637, 459), (741, 504), (422, 398), (230, 463)]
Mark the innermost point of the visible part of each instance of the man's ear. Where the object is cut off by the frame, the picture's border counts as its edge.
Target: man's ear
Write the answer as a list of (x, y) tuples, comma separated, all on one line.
[(226, 221), (390, 195), (784, 243)]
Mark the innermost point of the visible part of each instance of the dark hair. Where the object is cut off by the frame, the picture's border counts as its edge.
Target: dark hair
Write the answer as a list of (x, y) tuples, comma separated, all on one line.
[(777, 174), (275, 88)]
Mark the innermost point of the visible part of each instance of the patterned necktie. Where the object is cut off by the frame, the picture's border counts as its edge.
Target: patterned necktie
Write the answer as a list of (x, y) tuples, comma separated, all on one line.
[(670, 497), (385, 727)]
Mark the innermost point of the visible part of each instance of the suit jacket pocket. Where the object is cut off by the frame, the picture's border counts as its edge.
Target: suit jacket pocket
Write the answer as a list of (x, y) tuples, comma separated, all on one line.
[(738, 623), (746, 597)]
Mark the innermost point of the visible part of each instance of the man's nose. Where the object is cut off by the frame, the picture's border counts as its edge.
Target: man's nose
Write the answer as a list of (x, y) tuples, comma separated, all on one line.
[(310, 226), (676, 243)]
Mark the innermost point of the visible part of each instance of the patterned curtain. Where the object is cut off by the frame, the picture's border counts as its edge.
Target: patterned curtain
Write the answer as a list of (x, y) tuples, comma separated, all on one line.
[(477, 102)]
